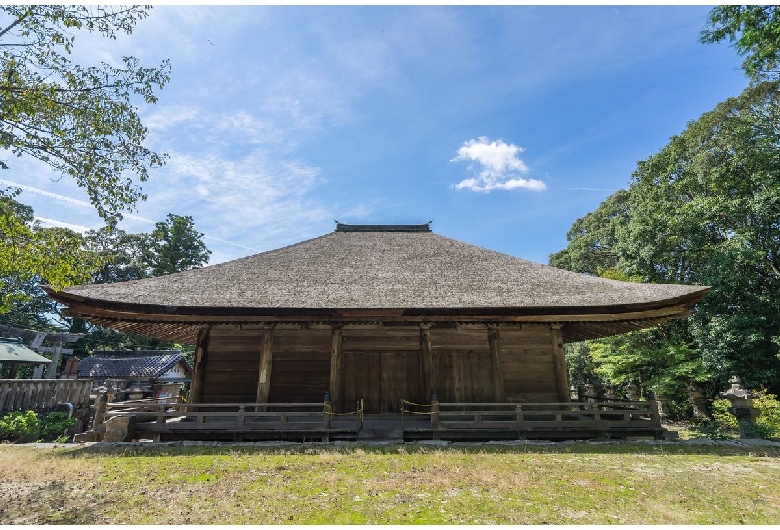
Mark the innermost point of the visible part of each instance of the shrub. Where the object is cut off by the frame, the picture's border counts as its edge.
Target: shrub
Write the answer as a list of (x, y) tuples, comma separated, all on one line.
[(722, 416), (54, 425), (723, 423), (24, 427), (767, 425), (19, 427)]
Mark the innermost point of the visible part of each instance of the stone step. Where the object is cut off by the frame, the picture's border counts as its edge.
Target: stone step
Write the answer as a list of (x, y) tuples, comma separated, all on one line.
[(381, 428), (394, 434)]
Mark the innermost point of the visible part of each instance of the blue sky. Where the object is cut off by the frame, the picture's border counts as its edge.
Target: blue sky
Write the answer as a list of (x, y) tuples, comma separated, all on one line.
[(502, 124)]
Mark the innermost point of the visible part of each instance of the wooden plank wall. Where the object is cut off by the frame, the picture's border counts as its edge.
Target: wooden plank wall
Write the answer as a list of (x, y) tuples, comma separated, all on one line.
[(383, 364), (461, 361), (232, 365), (301, 365), (528, 366)]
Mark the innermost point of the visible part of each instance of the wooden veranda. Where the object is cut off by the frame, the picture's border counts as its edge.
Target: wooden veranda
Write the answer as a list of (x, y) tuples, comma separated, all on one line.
[(432, 421)]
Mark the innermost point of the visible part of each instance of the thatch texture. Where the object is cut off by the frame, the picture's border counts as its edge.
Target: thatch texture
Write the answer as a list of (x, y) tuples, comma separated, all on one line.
[(360, 270)]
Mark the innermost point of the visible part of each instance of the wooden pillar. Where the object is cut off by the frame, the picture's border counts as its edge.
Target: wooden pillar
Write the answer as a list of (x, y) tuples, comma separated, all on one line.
[(559, 359), (38, 372), (51, 371), (327, 411), (457, 374), (199, 370), (266, 364), (496, 368), (429, 370), (100, 410), (435, 416), (336, 339)]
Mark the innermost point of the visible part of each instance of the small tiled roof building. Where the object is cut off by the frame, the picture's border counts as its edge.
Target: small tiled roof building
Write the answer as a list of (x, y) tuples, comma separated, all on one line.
[(155, 366)]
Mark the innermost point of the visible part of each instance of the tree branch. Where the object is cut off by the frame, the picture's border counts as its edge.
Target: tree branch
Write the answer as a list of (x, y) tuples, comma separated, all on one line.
[(16, 23), (8, 88)]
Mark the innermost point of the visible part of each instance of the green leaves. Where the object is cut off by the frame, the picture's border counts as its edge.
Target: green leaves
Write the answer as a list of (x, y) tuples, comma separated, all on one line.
[(82, 121), (754, 32), (592, 238), (174, 245), (704, 210), (656, 359), (19, 427), (30, 252)]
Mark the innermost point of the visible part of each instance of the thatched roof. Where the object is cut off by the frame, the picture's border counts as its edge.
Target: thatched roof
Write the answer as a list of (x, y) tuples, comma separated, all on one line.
[(409, 272)]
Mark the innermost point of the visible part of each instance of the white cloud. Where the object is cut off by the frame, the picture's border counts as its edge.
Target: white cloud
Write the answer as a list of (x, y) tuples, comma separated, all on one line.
[(162, 119), (497, 165), (45, 221), (255, 200), (66, 199)]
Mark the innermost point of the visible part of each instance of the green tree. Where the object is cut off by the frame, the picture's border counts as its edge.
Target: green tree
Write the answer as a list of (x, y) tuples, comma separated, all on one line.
[(30, 253), (592, 237), (29, 307), (706, 210), (121, 253), (174, 245), (754, 32), (79, 120), (662, 359)]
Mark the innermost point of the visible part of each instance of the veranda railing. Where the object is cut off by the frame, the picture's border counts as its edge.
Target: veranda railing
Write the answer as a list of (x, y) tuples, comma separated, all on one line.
[(156, 419), (603, 418)]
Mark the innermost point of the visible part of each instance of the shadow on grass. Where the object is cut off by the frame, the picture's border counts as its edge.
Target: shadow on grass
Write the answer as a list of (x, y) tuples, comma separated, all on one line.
[(172, 449)]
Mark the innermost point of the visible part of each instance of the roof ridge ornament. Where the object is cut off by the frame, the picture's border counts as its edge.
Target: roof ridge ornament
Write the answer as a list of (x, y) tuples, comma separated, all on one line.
[(343, 227)]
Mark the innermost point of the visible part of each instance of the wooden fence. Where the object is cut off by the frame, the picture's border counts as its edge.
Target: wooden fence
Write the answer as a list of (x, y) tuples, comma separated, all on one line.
[(533, 420), (43, 395)]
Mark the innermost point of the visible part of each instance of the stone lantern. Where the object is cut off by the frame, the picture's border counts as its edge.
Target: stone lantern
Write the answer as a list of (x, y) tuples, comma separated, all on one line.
[(632, 392), (741, 402), (698, 402), (136, 391), (662, 401), (589, 393)]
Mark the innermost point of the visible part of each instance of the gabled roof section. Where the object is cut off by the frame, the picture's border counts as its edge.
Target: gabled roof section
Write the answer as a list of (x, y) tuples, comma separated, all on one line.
[(148, 364), (13, 351), (390, 269)]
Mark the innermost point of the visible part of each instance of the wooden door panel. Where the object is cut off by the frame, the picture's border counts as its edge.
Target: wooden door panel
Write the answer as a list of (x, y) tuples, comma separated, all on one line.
[(381, 379), (463, 376), (360, 379)]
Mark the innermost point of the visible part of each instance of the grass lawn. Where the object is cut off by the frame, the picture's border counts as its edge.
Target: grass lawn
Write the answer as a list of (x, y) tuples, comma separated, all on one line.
[(577, 483)]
